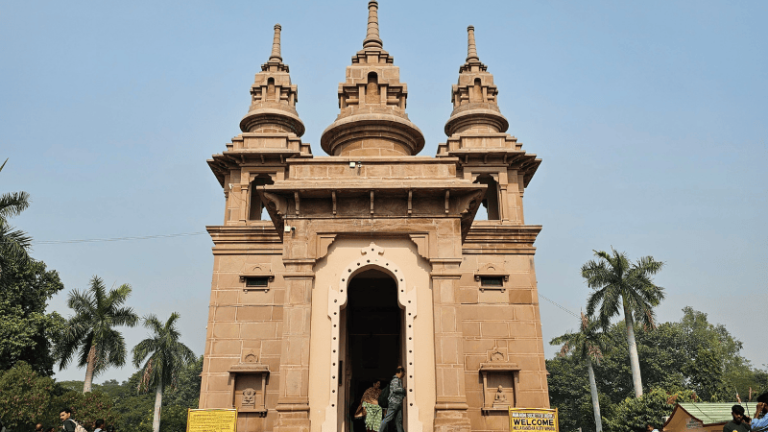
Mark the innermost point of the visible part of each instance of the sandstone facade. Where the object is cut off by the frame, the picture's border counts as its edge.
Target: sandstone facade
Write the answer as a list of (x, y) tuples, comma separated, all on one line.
[(330, 271)]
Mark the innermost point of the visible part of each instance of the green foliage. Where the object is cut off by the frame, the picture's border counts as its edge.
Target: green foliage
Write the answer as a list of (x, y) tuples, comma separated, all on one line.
[(97, 312), (126, 407), (26, 331), (173, 419), (24, 396), (165, 355), (86, 408), (186, 392), (632, 414), (622, 286), (588, 343), (14, 244), (689, 355)]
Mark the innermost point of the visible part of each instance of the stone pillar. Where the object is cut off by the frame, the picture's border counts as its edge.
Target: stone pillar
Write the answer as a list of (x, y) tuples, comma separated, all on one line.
[(293, 401), (451, 401)]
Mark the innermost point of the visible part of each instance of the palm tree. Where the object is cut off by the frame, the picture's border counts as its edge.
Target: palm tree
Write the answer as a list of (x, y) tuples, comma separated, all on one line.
[(620, 284), (91, 329), (166, 355), (587, 345), (14, 244)]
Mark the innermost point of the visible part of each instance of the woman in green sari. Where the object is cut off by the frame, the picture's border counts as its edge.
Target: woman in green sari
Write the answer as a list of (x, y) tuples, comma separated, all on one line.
[(370, 408)]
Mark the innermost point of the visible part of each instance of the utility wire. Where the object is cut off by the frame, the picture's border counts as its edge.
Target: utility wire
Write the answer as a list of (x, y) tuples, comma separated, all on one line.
[(150, 237), (558, 305), (114, 239)]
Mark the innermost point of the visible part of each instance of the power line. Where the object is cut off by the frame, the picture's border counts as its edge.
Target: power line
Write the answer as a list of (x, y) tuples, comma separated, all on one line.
[(558, 305), (114, 239), (150, 237)]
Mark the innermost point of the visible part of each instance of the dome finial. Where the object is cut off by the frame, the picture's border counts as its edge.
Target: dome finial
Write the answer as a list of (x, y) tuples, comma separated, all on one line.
[(471, 48), (372, 39), (276, 45)]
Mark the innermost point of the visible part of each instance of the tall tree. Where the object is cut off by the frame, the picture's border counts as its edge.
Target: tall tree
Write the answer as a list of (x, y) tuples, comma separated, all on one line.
[(27, 332), (14, 244), (24, 396), (165, 358), (91, 330), (623, 286), (587, 345)]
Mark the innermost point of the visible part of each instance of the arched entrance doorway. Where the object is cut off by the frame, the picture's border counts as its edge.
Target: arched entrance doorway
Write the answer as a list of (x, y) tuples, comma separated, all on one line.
[(337, 415), (372, 338)]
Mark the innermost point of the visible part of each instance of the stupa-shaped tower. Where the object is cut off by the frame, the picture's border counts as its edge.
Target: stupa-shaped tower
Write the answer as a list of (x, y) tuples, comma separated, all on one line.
[(273, 103), (477, 136), (372, 121), (272, 133)]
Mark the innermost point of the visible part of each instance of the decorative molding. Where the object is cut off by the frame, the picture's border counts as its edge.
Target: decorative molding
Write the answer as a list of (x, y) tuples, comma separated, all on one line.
[(250, 401), (372, 257), (421, 241), (492, 270), (323, 242), (258, 270), (499, 368)]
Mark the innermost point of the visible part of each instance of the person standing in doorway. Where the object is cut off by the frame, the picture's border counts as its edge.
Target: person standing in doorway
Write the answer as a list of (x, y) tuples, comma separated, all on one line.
[(395, 408), (370, 409)]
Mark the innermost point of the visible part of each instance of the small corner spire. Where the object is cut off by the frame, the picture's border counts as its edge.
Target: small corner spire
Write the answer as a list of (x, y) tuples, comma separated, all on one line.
[(372, 39), (275, 56), (471, 48)]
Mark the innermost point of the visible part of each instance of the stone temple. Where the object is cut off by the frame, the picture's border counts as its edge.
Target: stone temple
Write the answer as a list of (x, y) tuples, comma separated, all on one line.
[(331, 271)]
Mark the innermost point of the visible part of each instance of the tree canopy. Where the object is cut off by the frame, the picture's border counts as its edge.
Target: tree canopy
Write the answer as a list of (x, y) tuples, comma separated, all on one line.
[(92, 329), (691, 355)]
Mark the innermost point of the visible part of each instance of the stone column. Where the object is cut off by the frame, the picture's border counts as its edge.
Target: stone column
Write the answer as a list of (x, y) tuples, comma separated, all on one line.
[(293, 401), (451, 402)]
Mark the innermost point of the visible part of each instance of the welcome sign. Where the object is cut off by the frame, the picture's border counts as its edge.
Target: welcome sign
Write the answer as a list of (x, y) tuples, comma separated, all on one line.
[(212, 420), (533, 419)]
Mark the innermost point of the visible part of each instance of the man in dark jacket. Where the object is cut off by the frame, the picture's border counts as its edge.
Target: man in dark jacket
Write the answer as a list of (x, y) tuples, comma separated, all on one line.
[(396, 395), (737, 424), (67, 423)]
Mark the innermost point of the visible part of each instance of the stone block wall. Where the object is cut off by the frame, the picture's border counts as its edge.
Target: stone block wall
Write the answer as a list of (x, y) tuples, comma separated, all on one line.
[(507, 324), (243, 323)]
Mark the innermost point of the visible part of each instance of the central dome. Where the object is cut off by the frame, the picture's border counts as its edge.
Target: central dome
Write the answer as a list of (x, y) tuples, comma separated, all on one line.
[(372, 121)]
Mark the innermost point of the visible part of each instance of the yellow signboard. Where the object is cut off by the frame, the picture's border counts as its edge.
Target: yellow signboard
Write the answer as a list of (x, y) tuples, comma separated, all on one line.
[(533, 419), (212, 420)]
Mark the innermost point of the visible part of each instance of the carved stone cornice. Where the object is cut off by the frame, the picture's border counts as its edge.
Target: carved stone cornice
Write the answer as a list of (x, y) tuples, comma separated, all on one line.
[(248, 239), (487, 237)]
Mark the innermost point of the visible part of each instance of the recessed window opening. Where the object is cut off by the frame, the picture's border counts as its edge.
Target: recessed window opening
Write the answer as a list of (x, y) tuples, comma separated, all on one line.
[(477, 91), (258, 210), (271, 89), (257, 281), (491, 199), (372, 96), (492, 281)]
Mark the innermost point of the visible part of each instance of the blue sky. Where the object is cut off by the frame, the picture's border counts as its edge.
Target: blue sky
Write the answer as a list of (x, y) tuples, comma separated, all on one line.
[(650, 118)]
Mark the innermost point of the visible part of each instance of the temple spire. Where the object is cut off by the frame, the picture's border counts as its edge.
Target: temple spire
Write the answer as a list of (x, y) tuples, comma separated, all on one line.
[(474, 97), (471, 48), (372, 39), (276, 45)]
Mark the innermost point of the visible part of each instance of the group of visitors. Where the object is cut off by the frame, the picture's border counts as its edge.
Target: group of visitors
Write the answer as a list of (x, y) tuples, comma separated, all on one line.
[(68, 424), (380, 407), (743, 423)]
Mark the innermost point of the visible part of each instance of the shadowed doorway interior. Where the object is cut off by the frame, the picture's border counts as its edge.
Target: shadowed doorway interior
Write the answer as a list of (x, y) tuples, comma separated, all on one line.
[(373, 336)]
